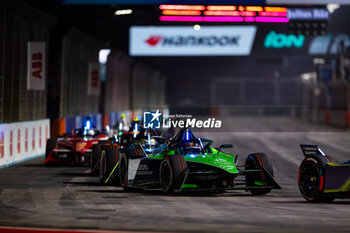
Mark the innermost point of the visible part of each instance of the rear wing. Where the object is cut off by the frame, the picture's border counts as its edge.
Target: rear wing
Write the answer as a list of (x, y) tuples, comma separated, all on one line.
[(311, 150)]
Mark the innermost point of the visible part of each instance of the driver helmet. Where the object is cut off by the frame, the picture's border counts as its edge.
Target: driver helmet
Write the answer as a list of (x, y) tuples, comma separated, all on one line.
[(151, 142), (187, 136), (91, 132)]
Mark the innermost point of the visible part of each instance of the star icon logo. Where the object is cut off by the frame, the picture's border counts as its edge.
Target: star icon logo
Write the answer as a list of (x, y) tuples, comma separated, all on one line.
[(152, 120), (155, 115)]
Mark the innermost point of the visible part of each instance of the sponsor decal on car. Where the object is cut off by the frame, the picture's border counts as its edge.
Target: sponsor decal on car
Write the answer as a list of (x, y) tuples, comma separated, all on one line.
[(143, 170)]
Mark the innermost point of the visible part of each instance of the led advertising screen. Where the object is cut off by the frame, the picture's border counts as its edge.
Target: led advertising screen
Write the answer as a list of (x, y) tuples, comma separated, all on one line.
[(191, 41), (143, 2)]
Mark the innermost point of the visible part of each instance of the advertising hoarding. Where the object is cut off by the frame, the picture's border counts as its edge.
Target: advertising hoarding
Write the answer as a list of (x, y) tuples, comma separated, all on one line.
[(186, 41), (93, 84), (36, 66)]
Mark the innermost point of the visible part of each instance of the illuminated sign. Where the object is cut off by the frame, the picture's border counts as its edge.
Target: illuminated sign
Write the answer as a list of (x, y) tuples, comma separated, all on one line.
[(223, 13), (143, 2), (307, 14), (186, 41), (280, 40), (323, 45)]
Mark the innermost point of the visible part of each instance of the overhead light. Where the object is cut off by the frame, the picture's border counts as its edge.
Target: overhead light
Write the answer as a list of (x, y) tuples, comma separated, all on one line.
[(182, 7), (180, 12), (123, 12), (309, 77), (332, 7), (103, 55), (197, 27), (221, 8)]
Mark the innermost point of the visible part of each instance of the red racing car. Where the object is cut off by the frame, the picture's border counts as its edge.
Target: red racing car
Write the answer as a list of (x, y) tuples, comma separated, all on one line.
[(73, 148)]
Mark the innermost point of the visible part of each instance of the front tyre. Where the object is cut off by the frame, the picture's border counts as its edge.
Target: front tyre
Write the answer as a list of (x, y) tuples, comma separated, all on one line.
[(103, 167), (123, 171), (311, 180), (50, 145), (258, 161), (172, 173)]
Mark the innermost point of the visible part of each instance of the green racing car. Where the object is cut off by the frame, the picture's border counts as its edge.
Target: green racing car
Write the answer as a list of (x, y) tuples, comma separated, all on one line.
[(193, 164)]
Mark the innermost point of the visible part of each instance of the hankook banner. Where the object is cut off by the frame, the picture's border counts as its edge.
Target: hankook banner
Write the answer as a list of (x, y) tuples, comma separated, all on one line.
[(186, 41)]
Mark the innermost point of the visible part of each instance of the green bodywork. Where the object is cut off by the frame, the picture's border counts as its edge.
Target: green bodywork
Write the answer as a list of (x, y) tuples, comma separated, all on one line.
[(219, 168), (217, 159)]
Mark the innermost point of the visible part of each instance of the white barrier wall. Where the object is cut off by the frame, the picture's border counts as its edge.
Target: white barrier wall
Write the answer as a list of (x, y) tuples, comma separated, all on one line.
[(23, 140)]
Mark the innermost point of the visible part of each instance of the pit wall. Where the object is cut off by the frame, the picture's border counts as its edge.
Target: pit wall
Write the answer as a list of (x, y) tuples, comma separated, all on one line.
[(20, 141)]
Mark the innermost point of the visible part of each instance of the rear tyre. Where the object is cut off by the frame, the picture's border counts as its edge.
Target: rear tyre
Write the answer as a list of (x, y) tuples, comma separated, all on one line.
[(98, 151), (311, 179), (107, 164), (94, 159), (123, 171), (258, 161), (50, 145), (172, 173)]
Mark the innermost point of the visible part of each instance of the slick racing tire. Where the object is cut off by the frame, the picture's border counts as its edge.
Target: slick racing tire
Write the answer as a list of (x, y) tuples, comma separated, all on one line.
[(96, 156), (258, 161), (311, 181), (94, 159), (172, 173), (109, 159), (123, 171), (50, 145)]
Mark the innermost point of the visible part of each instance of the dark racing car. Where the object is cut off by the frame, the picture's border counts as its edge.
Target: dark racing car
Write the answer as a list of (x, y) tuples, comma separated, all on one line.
[(106, 155), (73, 148), (321, 178), (192, 164)]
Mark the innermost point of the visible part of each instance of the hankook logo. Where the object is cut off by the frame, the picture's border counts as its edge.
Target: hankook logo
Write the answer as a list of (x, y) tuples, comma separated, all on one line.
[(154, 40), (178, 41)]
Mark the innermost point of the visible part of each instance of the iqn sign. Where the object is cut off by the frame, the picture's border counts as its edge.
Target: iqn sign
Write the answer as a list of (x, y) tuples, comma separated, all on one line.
[(185, 41), (280, 40), (36, 66)]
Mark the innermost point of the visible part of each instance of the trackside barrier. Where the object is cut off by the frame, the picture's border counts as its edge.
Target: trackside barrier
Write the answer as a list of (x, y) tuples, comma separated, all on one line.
[(68, 124), (338, 118), (105, 120), (114, 117), (339, 103), (327, 104), (3, 159), (23, 140)]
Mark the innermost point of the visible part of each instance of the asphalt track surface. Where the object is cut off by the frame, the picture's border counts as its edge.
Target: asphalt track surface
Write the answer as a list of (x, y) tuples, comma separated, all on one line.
[(33, 195)]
